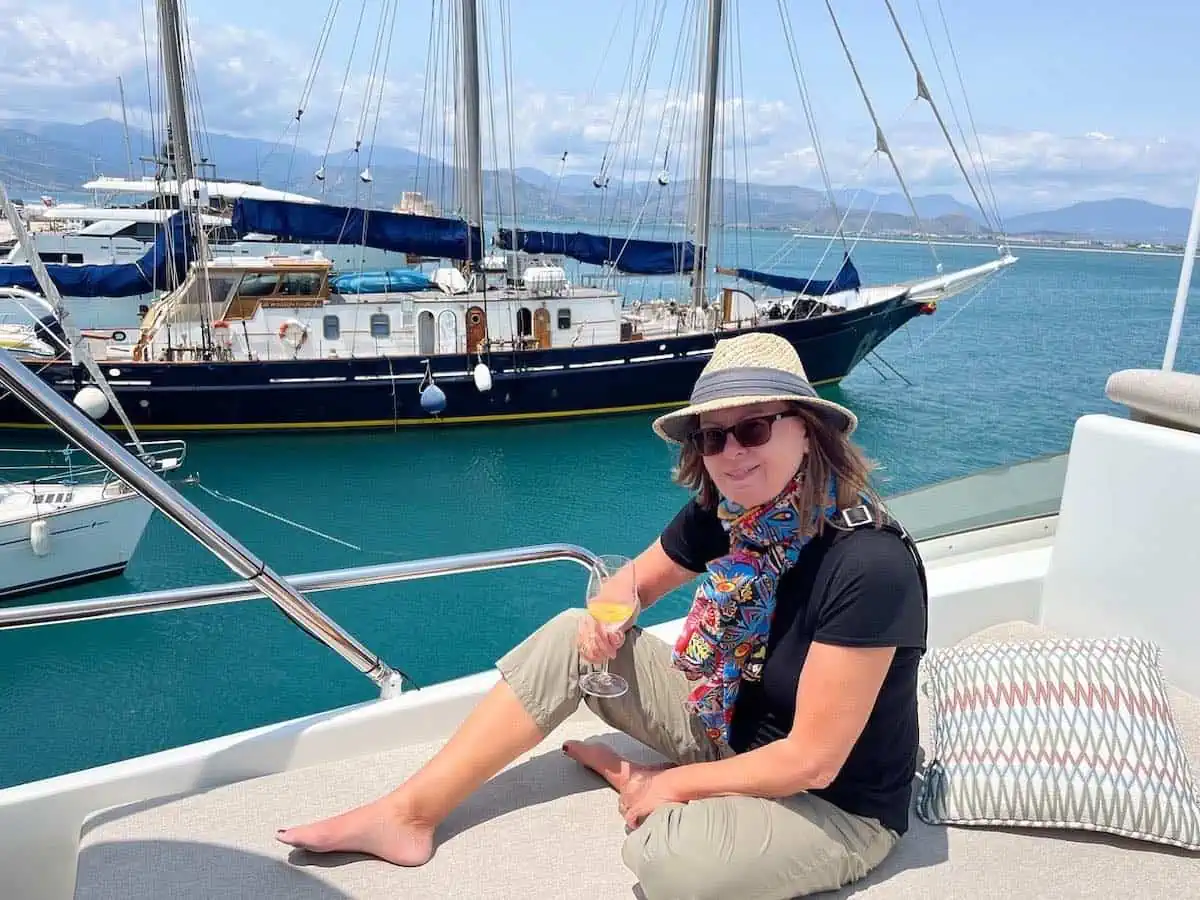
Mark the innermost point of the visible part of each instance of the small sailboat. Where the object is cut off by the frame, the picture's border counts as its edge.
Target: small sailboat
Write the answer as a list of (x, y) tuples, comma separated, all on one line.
[(64, 518)]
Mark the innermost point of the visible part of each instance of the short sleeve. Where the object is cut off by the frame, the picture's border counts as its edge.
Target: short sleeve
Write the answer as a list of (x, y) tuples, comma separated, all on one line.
[(873, 596), (694, 537)]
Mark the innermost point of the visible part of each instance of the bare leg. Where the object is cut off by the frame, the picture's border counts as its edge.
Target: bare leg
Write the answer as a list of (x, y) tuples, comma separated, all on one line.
[(399, 826)]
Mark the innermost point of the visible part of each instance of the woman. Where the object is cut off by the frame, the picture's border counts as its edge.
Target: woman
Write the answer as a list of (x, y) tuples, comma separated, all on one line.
[(791, 726)]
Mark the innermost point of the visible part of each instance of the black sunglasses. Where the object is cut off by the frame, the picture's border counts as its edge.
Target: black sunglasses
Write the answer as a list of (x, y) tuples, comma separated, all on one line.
[(753, 431)]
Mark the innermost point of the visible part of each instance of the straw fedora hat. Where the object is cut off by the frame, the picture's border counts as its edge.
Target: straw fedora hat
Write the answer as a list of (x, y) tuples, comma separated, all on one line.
[(758, 367)]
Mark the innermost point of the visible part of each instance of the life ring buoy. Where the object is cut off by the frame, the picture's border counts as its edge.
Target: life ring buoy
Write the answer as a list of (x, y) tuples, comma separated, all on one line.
[(293, 333)]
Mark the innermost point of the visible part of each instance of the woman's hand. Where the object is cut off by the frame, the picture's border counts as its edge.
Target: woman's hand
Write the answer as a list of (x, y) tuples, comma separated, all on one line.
[(645, 792), (597, 645)]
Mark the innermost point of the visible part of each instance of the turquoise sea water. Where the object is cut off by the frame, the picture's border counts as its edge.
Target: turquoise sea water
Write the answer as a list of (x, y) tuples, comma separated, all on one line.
[(994, 379)]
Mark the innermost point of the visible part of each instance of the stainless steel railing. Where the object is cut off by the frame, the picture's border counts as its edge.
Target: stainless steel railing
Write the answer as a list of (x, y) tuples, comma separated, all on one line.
[(333, 579), (262, 581)]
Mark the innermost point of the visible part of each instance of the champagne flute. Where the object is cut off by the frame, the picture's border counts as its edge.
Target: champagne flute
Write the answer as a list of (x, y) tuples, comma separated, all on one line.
[(612, 600)]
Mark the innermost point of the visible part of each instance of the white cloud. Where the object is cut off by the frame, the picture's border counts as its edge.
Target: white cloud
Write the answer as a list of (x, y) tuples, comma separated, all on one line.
[(50, 46), (62, 59), (1033, 168)]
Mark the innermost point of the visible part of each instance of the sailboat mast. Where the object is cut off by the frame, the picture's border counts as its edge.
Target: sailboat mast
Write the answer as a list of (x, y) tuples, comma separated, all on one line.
[(170, 38), (180, 147), (708, 130), (470, 131), (125, 123)]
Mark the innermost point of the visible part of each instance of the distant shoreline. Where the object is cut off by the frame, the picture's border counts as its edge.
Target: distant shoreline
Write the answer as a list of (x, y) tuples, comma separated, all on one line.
[(1013, 247)]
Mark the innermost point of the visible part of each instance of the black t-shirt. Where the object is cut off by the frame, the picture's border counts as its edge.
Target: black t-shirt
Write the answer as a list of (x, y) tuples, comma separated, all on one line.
[(863, 589)]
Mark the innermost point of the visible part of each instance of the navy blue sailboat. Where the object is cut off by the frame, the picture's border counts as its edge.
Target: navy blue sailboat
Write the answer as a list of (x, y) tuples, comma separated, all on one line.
[(287, 349), (251, 344)]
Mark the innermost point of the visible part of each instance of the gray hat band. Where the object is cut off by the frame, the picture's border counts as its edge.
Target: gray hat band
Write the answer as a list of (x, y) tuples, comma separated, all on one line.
[(749, 381)]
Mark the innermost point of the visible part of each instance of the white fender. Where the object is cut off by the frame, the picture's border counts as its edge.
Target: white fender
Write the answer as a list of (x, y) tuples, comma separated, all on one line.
[(92, 401), (483, 378), (39, 537)]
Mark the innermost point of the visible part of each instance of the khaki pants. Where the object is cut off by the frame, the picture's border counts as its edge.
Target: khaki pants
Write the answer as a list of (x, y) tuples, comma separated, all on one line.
[(719, 847)]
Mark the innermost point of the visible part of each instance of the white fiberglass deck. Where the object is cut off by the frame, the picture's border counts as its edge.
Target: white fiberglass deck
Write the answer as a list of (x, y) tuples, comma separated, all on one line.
[(547, 828)]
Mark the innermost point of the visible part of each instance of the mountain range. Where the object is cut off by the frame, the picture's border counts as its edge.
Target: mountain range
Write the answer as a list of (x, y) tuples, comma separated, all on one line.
[(55, 158)]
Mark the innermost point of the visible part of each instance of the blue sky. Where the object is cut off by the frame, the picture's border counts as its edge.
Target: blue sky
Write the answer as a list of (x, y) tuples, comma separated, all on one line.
[(1072, 100), (1107, 65)]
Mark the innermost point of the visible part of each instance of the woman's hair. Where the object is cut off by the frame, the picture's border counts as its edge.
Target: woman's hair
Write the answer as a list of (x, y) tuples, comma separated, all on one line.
[(829, 453)]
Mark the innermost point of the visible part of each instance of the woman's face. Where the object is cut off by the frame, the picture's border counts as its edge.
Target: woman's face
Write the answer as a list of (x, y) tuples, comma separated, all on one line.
[(754, 475)]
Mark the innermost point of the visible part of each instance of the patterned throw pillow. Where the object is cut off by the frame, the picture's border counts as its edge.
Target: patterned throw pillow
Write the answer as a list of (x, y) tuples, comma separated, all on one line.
[(1057, 734)]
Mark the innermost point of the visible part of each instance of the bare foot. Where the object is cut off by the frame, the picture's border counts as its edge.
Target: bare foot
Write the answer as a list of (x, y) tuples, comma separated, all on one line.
[(607, 763), (377, 829)]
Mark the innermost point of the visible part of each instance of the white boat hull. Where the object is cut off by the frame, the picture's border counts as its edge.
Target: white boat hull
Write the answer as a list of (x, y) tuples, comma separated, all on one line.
[(82, 543)]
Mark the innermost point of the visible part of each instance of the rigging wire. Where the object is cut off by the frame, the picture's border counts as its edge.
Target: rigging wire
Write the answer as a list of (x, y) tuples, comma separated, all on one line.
[(427, 96), (671, 136), (306, 90), (391, 28), (202, 146), (625, 90), (362, 9), (589, 98), (493, 132), (636, 121), (444, 80), (923, 93), (509, 102), (881, 144), (737, 19), (809, 117), (683, 74), (986, 179), (372, 74), (151, 67), (378, 74)]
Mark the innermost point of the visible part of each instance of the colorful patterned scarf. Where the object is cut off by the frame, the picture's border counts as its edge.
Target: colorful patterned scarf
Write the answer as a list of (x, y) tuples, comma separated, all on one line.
[(724, 639)]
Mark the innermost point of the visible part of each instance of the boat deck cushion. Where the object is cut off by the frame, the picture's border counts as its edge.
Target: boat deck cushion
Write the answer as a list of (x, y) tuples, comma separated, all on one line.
[(1152, 395), (1064, 733), (546, 828)]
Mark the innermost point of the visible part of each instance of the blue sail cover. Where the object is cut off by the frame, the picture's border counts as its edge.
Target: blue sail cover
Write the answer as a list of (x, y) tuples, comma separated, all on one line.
[(164, 266), (634, 257), (845, 280), (324, 224)]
